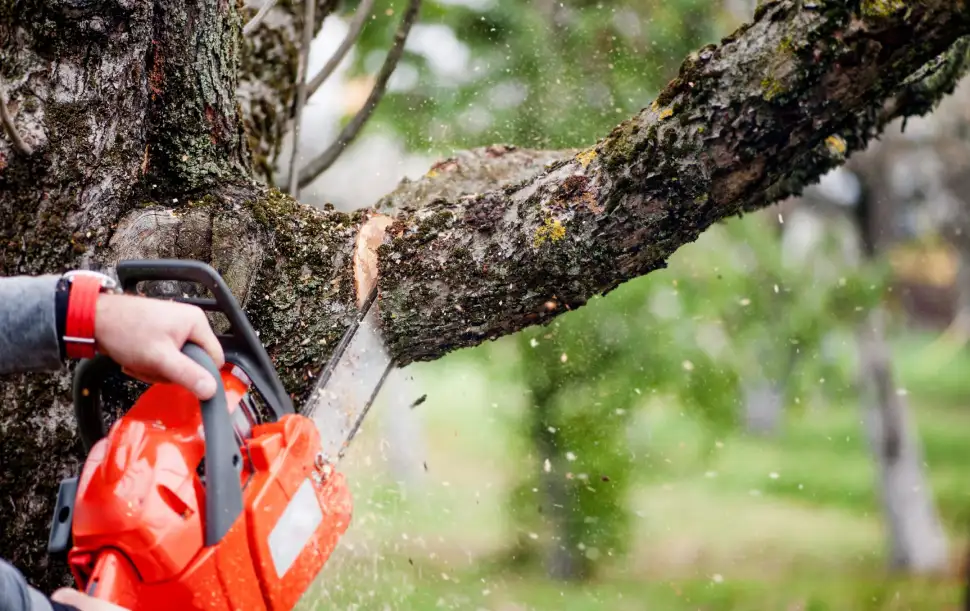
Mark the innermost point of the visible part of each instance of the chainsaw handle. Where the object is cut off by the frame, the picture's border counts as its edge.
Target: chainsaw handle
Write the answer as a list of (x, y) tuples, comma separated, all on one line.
[(89, 377), (223, 460), (241, 344)]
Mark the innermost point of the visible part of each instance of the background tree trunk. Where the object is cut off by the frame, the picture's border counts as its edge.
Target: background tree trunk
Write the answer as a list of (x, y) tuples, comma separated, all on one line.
[(764, 406), (137, 149), (564, 561), (917, 541), (915, 535)]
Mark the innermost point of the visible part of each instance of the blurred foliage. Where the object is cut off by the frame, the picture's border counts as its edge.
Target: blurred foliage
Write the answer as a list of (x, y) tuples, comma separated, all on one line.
[(730, 307), (548, 73), (758, 523)]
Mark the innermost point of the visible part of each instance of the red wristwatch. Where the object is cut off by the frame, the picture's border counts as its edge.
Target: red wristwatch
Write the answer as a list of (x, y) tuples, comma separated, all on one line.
[(83, 288)]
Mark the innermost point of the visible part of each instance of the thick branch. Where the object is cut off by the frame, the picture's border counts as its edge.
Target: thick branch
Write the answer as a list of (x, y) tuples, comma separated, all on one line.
[(470, 173), (740, 128)]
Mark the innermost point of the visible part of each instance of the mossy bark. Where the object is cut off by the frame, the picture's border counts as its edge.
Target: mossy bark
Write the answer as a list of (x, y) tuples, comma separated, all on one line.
[(459, 271), (139, 151)]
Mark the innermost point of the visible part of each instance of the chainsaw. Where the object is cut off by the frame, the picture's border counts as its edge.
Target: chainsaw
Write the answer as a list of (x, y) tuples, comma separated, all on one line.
[(228, 504)]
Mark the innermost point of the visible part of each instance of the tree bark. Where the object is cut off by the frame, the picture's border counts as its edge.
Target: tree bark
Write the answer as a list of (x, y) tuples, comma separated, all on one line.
[(138, 150)]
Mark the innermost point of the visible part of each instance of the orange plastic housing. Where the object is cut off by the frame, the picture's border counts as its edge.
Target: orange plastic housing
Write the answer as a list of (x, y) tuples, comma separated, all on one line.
[(138, 515)]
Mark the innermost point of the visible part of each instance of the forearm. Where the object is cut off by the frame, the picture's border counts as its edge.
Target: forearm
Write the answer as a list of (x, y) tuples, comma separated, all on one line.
[(28, 327), (16, 595)]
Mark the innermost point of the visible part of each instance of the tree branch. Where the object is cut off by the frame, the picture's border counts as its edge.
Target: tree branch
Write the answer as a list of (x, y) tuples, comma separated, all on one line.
[(257, 19), (268, 80), (745, 124), (327, 158), (18, 143), (922, 91), (353, 33), (301, 91), (471, 173)]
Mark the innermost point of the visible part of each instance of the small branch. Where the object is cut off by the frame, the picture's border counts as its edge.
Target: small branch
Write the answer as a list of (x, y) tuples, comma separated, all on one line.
[(356, 27), (301, 91), (11, 129), (326, 159), (258, 17)]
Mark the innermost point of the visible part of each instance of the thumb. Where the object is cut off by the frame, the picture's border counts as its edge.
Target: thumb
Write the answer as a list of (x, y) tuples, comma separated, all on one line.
[(179, 369)]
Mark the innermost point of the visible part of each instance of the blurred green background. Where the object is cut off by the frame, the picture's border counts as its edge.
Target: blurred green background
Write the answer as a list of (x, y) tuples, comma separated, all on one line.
[(696, 439)]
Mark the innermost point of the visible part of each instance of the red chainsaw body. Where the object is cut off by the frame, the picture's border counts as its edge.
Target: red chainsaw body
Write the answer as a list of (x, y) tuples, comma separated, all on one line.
[(138, 525)]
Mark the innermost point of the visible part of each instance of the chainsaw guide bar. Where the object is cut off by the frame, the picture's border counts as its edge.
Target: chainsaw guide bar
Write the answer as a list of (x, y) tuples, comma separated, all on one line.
[(349, 382)]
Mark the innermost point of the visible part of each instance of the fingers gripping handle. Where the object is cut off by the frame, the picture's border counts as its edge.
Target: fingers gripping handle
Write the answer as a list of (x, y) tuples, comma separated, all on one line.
[(222, 456)]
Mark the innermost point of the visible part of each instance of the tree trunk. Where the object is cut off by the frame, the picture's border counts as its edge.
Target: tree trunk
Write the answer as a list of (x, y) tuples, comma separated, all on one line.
[(764, 406), (917, 540), (135, 147), (563, 559), (918, 543)]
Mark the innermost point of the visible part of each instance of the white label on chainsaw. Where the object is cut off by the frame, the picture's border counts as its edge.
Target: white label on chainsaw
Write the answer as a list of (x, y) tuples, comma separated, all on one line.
[(295, 528)]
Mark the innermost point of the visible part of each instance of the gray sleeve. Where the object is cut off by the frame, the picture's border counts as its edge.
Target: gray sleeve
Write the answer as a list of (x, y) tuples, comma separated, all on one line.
[(28, 329), (16, 595)]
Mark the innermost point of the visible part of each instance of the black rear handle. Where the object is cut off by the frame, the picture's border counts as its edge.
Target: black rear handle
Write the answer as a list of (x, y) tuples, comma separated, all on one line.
[(242, 346), (222, 455)]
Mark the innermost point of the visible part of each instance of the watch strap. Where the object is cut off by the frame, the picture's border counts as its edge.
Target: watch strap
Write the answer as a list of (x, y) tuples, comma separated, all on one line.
[(82, 304)]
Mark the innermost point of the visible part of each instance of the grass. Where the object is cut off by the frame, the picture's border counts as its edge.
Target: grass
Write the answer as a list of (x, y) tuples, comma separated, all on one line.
[(724, 521)]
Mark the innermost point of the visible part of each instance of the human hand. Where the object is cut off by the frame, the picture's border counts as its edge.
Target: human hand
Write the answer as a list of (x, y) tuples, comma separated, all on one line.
[(145, 336), (83, 602)]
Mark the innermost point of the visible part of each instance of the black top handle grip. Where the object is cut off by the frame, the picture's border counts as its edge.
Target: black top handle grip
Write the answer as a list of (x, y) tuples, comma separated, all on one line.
[(242, 346), (223, 460)]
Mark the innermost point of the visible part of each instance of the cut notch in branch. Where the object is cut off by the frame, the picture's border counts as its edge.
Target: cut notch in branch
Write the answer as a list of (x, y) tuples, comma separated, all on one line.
[(322, 162), (369, 239), (353, 33), (11, 129)]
